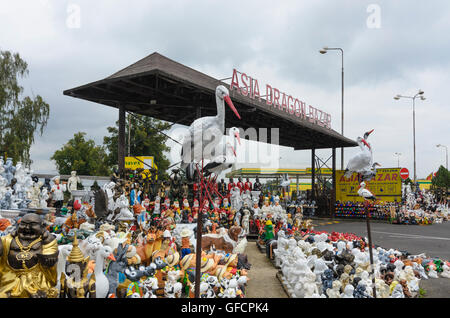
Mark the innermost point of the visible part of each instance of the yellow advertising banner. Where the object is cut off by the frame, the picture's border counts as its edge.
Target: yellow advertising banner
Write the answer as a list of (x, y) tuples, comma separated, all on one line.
[(320, 171), (386, 186), (137, 162)]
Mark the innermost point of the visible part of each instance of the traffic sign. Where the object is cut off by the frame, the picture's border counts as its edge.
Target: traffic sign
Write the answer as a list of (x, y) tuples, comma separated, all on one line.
[(404, 173)]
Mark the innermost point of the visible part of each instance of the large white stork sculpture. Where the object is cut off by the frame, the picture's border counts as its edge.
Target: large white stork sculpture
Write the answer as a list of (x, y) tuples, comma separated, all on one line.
[(221, 162), (369, 174), (206, 131), (362, 161)]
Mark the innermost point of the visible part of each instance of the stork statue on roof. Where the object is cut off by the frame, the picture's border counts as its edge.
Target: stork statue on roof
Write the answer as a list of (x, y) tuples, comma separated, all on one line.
[(363, 160), (206, 132)]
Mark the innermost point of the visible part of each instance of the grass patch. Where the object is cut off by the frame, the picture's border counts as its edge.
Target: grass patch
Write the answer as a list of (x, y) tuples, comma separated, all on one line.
[(422, 293)]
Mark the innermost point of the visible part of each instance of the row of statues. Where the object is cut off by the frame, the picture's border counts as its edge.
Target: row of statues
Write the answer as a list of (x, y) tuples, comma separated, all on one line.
[(19, 189)]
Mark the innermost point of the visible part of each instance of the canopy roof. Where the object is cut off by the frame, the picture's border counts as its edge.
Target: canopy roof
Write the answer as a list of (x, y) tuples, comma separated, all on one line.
[(167, 90)]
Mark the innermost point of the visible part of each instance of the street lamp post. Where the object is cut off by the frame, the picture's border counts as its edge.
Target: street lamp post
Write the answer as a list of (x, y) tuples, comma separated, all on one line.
[(446, 154), (397, 97), (398, 154), (323, 51)]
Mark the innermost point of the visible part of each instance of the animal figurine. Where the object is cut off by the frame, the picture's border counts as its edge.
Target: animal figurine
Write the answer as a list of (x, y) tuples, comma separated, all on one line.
[(172, 290), (64, 252), (146, 247), (213, 286), (150, 285), (115, 268), (135, 276), (101, 281), (226, 242)]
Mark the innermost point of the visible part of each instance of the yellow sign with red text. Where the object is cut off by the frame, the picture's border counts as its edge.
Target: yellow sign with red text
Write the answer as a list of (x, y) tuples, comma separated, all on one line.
[(386, 186)]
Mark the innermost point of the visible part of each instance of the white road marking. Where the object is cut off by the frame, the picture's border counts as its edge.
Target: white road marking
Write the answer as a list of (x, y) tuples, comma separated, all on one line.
[(413, 236)]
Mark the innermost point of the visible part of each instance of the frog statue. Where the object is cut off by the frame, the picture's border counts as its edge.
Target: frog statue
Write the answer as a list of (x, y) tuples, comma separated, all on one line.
[(28, 258)]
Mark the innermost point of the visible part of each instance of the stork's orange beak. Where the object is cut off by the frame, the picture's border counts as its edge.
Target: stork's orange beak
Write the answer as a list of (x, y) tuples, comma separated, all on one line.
[(111, 257), (234, 151), (365, 142), (369, 132), (230, 103)]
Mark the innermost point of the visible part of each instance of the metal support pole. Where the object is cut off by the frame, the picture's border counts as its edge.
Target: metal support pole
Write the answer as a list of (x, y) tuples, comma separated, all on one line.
[(198, 252), (342, 109), (313, 174), (121, 140), (333, 167), (414, 138), (129, 135), (369, 235)]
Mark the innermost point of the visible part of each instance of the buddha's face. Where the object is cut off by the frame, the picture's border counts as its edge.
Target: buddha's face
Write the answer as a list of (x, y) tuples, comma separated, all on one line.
[(30, 227)]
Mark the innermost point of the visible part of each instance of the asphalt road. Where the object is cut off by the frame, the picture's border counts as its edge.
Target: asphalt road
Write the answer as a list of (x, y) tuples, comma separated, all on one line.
[(433, 240)]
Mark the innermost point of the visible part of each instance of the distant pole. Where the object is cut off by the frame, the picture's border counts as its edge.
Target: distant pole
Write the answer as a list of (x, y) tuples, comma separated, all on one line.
[(419, 94), (333, 166), (323, 51), (398, 154), (446, 154)]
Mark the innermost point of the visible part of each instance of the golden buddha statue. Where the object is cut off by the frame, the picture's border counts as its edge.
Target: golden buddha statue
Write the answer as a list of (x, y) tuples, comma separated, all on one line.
[(75, 282), (28, 258)]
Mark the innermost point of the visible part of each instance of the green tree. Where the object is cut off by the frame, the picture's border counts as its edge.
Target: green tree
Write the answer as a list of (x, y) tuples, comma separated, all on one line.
[(20, 118), (442, 178), (145, 140), (83, 156)]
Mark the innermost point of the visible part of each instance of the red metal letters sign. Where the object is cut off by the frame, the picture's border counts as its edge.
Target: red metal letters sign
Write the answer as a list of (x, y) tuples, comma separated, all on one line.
[(249, 87)]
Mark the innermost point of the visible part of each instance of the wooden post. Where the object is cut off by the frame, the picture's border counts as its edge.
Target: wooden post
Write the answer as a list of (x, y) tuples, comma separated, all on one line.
[(121, 140)]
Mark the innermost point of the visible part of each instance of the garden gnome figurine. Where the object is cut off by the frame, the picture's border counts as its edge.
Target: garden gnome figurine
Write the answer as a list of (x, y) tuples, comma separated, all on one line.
[(58, 193)]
